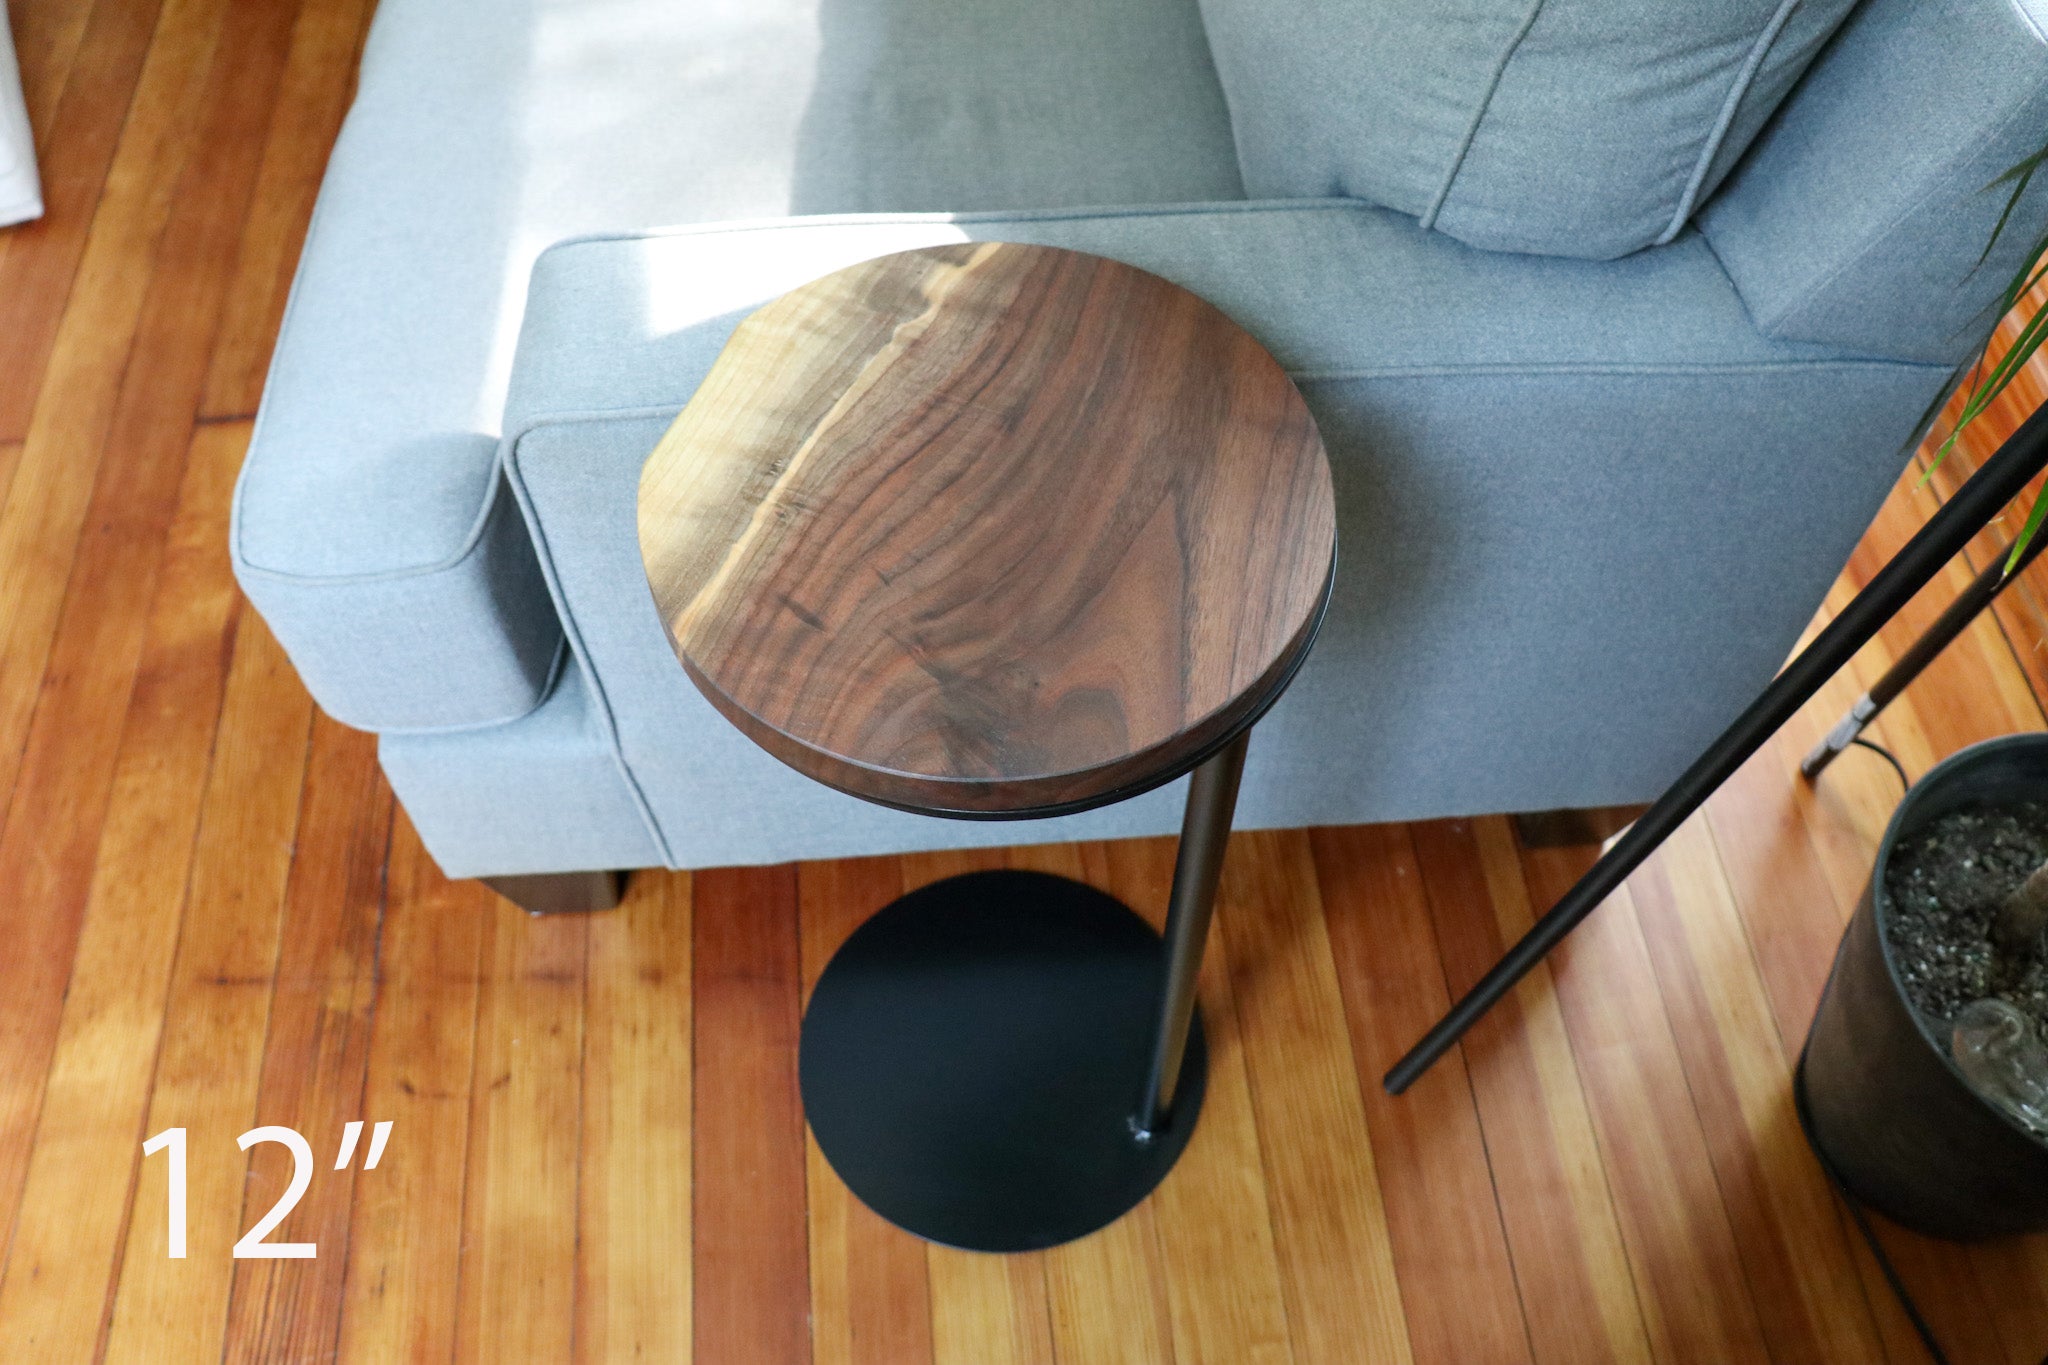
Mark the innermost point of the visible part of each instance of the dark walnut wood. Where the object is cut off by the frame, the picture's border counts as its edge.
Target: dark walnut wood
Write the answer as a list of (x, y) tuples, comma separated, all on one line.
[(990, 529)]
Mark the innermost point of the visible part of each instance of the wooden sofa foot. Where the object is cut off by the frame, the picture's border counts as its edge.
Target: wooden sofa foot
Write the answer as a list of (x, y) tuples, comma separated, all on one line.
[(1573, 827), (561, 893)]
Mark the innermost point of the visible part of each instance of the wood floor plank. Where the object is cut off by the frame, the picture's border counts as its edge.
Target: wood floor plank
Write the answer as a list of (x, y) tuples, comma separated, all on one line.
[(1688, 1269), (57, 753), (516, 1298), (1769, 826), (47, 36), (1789, 911), (1579, 1293), (751, 1286), (63, 1254), (405, 1226), (985, 1310), (1944, 1284), (870, 1291), (1107, 1292), (316, 1051), (632, 1280), (119, 88), (1211, 1216), (1845, 811), (2014, 1273), (1802, 1276), (319, 80), (89, 632), (988, 1310), (922, 869), (1842, 815), (210, 1060), (1983, 692), (1329, 1223), (1457, 1278), (89, 504)]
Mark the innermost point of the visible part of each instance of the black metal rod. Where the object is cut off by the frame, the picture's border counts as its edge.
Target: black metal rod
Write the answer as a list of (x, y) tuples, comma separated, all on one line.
[(1951, 623), (1204, 835), (1980, 499)]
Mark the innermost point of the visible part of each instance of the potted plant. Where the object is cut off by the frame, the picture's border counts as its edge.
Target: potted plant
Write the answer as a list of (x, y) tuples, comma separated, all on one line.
[(1924, 1083), (1925, 1078)]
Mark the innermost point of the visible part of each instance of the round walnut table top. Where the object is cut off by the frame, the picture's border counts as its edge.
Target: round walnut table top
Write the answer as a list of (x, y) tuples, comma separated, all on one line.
[(990, 530)]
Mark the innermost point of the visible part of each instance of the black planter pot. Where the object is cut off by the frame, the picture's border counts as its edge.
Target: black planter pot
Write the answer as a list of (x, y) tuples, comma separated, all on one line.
[(1884, 1103)]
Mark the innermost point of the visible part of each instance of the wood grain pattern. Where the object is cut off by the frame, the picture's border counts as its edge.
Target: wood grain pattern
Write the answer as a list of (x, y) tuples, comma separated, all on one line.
[(83, 105), (989, 528), (210, 1059), (1224, 1284), (67, 1233), (752, 1258), (986, 1310), (47, 38), (1579, 1294), (319, 78), (406, 1219), (536, 1058), (870, 1290), (1688, 1274), (1108, 1292), (59, 686), (316, 1053), (517, 1273), (89, 389), (1801, 1275), (1329, 1224), (1450, 1250), (633, 1291)]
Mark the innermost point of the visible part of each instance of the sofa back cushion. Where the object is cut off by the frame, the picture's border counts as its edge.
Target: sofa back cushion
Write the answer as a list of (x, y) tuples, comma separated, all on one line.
[(1587, 128)]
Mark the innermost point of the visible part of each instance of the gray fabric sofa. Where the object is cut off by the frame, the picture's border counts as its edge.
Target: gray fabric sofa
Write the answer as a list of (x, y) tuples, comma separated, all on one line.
[(1617, 315)]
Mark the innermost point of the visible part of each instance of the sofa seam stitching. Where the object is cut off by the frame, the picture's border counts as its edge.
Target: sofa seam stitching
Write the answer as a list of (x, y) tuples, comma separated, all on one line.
[(570, 416), (2027, 17), (472, 542), (1601, 368), (1500, 68), (509, 460), (1331, 204), (1745, 79)]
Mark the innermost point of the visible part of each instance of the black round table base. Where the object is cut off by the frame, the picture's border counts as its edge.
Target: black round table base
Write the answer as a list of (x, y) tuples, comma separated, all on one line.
[(973, 1060)]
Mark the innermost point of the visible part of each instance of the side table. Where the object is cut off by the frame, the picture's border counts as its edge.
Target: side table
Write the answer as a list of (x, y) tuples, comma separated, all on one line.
[(996, 531)]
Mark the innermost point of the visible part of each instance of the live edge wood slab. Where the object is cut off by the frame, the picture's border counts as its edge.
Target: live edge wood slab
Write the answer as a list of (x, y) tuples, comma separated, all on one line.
[(990, 530)]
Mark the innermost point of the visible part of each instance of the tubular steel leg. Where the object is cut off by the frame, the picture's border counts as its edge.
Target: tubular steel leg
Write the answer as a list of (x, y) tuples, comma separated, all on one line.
[(1951, 623), (1204, 833), (2003, 477)]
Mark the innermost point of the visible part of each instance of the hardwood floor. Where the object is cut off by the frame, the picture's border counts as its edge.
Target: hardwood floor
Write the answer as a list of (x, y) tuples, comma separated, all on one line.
[(214, 917)]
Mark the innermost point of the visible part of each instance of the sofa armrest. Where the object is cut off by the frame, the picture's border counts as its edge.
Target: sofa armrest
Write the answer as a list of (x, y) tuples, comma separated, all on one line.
[(400, 634), (1520, 445), (1857, 218), (1332, 287)]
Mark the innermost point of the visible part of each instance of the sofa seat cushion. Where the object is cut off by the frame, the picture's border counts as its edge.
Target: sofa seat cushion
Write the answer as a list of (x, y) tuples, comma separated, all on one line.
[(1587, 128), (368, 525)]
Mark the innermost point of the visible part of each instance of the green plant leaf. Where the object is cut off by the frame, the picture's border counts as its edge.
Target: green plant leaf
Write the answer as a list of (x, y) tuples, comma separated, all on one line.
[(1981, 389), (2026, 535), (2019, 175)]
